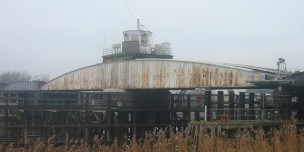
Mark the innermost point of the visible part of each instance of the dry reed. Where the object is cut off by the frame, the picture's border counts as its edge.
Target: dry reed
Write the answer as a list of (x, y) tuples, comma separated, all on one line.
[(287, 138)]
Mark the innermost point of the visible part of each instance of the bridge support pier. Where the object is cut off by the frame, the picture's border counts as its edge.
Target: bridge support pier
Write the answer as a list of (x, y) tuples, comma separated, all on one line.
[(109, 118), (134, 123), (251, 106), (231, 105), (220, 102), (67, 135), (25, 137), (209, 104), (242, 106)]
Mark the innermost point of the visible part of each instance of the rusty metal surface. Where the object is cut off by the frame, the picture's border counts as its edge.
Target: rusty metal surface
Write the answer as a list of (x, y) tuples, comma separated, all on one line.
[(153, 74)]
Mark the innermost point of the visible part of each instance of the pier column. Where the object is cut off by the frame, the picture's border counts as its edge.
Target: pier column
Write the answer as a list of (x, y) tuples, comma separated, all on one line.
[(220, 102), (251, 106), (209, 104), (242, 105), (123, 119), (2, 129), (44, 125), (87, 117), (25, 125), (86, 133), (67, 135), (219, 130), (172, 111), (231, 105), (25, 138), (263, 100), (186, 114), (7, 130), (196, 116), (134, 124), (110, 117), (66, 129)]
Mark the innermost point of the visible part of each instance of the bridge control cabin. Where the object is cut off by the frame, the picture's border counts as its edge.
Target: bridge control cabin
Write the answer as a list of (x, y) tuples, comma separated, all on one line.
[(137, 44)]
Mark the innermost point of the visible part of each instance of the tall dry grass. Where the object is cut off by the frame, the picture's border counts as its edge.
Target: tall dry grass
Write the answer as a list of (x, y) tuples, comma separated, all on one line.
[(287, 138)]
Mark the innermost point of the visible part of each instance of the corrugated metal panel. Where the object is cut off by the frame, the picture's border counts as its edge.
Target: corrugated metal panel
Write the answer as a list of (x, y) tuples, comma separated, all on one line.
[(144, 74)]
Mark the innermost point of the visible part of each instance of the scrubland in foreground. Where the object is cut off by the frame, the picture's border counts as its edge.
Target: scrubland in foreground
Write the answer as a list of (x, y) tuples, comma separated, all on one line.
[(287, 138)]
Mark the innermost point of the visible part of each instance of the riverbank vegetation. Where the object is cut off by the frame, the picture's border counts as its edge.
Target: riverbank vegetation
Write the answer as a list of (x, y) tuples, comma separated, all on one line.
[(287, 138)]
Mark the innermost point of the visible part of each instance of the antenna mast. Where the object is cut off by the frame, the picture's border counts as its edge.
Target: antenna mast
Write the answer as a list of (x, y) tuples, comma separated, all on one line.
[(139, 26)]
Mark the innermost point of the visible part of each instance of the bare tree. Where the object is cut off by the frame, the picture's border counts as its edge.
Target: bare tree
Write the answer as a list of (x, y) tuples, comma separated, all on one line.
[(8, 77), (44, 77)]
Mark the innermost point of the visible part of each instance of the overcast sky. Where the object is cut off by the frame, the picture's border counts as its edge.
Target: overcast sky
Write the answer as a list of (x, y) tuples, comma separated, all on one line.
[(57, 36)]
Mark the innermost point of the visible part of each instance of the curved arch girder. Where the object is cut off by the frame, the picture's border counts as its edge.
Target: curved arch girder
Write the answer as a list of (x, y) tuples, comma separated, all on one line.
[(153, 74)]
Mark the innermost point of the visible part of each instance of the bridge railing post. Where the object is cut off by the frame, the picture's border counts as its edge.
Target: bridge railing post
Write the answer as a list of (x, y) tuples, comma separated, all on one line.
[(242, 106), (208, 103), (231, 105), (251, 106)]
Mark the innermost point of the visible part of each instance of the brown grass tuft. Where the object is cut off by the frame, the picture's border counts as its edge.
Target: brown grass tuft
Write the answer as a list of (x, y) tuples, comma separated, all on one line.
[(287, 138)]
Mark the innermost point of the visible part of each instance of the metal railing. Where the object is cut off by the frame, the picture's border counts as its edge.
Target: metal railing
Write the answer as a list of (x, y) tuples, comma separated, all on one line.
[(249, 114)]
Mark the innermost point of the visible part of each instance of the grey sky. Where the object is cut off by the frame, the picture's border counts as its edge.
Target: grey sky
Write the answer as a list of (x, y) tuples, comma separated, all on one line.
[(57, 36)]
